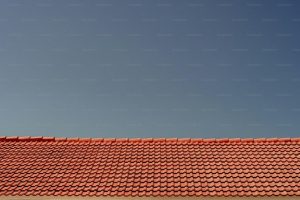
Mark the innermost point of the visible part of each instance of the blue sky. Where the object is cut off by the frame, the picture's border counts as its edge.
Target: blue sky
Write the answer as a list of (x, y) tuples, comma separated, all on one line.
[(150, 68)]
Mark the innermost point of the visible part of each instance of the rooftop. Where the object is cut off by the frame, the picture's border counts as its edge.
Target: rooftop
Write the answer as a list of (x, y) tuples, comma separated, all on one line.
[(49, 166)]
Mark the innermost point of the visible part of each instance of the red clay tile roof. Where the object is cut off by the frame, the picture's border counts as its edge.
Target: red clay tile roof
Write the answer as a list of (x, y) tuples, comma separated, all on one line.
[(149, 167)]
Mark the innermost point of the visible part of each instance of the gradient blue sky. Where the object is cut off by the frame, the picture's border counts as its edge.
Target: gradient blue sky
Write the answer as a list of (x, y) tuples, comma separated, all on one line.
[(137, 68)]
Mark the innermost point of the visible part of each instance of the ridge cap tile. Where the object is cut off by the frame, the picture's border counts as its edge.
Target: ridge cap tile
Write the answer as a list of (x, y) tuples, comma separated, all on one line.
[(209, 140), (109, 139), (259, 139), (184, 139), (122, 139), (295, 139), (159, 139), (73, 139), (284, 139), (24, 138), (272, 139), (48, 138), (60, 139), (171, 139), (85, 139), (197, 140), (234, 139), (97, 139), (12, 138), (247, 139), (147, 139), (222, 140), (36, 138), (134, 139)]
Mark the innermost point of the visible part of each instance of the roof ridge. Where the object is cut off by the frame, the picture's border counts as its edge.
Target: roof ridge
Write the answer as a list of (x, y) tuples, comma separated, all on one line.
[(196, 140)]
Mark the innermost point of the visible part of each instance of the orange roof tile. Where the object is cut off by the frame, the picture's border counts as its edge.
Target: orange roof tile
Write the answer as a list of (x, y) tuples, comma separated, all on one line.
[(149, 167)]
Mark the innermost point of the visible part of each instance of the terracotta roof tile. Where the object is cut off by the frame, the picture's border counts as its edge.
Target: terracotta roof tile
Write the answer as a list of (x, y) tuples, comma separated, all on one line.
[(47, 166), (60, 139)]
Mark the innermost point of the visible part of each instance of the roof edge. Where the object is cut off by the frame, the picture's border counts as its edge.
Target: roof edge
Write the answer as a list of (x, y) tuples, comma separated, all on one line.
[(183, 140)]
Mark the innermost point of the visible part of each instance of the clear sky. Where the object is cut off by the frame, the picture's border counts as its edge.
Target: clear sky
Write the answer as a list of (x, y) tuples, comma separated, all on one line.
[(139, 68)]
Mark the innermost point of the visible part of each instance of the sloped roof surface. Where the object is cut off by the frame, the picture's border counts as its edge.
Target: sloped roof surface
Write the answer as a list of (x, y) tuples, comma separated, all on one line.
[(149, 167)]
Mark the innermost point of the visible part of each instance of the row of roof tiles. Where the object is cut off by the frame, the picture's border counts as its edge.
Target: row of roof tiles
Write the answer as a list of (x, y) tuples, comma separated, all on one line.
[(196, 140), (59, 192)]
